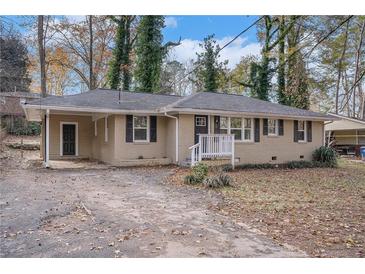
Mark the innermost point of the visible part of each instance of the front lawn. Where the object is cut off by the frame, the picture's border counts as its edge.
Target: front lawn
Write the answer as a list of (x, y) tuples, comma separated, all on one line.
[(319, 210)]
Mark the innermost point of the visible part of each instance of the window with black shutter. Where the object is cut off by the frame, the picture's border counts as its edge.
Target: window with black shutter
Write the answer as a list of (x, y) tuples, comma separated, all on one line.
[(309, 131), (296, 131), (257, 130), (281, 127), (266, 127), (129, 129), (153, 128)]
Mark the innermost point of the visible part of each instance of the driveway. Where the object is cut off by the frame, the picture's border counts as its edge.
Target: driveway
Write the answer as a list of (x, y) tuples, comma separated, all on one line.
[(118, 213)]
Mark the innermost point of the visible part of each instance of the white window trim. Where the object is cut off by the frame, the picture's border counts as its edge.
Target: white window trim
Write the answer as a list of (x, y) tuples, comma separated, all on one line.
[(76, 137), (228, 124), (276, 128), (305, 131), (251, 129), (205, 121), (242, 140), (148, 129)]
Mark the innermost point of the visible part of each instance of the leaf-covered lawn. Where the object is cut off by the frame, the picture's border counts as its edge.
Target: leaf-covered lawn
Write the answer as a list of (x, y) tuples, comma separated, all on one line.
[(321, 211)]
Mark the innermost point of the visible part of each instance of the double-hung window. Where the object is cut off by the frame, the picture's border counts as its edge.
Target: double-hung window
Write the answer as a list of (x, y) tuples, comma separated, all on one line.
[(241, 128), (272, 127), (223, 125), (247, 136), (140, 129), (301, 131), (236, 128)]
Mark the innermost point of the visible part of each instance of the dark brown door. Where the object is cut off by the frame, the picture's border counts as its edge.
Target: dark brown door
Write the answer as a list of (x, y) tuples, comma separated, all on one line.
[(69, 137), (200, 126)]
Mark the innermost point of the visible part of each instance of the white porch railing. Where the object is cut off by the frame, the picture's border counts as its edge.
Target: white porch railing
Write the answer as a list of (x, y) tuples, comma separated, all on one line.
[(213, 146)]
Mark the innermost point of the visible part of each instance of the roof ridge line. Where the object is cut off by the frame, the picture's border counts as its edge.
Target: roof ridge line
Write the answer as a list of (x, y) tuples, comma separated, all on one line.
[(183, 99)]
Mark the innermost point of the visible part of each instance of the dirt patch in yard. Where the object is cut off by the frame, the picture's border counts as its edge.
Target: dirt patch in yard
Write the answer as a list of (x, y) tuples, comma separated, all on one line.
[(320, 211)]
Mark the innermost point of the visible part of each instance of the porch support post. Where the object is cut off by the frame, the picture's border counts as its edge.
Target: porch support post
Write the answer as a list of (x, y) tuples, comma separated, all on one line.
[(47, 139), (232, 160)]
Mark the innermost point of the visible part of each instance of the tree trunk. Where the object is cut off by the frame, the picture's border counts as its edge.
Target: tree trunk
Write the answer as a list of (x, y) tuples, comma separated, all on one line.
[(127, 49), (42, 54), (91, 73), (339, 74), (357, 65), (281, 70)]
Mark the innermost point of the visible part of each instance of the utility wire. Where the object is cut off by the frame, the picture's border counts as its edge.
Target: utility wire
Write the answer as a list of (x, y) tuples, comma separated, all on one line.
[(352, 87), (226, 45), (316, 45)]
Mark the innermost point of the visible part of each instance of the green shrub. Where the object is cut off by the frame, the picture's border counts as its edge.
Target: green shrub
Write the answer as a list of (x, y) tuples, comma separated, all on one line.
[(200, 171), (325, 155), (19, 126)]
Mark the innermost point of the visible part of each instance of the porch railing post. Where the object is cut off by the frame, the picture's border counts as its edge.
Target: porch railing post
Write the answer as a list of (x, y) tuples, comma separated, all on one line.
[(200, 148), (232, 152)]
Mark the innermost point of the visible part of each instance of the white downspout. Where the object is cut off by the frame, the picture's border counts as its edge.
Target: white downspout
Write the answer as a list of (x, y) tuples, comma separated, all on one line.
[(47, 139), (177, 136)]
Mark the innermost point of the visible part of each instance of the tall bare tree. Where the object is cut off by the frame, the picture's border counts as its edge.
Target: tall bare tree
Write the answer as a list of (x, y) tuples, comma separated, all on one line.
[(42, 53), (91, 74)]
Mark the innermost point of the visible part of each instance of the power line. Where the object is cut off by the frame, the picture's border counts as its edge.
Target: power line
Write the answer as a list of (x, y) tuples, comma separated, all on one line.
[(352, 87), (316, 45), (226, 45)]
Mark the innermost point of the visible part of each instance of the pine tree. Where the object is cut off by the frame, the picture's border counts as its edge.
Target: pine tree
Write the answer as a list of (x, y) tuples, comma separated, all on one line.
[(119, 69), (14, 63), (114, 75), (149, 53), (209, 68)]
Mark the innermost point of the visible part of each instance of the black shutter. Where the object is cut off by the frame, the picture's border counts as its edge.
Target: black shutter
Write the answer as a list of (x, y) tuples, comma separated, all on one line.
[(257, 130), (266, 130), (296, 131), (129, 129), (153, 128), (217, 126), (309, 131), (281, 127)]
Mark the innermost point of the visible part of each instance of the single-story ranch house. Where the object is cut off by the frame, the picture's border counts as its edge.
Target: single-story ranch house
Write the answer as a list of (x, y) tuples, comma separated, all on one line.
[(132, 128)]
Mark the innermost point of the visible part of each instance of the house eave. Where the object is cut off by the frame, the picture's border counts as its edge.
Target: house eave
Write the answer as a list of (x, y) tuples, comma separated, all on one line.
[(248, 114)]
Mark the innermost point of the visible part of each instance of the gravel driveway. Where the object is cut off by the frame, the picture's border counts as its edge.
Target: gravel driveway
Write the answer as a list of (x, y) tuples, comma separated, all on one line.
[(118, 213)]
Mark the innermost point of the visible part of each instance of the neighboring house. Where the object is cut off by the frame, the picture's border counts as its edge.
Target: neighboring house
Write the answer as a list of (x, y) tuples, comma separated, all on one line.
[(10, 106), (131, 128), (346, 134)]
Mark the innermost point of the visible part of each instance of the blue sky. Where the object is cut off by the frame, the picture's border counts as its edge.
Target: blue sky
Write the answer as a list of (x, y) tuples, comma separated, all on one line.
[(198, 27), (193, 29)]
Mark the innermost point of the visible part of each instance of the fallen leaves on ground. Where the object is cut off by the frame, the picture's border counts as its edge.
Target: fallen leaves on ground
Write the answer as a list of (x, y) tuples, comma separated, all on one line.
[(321, 211)]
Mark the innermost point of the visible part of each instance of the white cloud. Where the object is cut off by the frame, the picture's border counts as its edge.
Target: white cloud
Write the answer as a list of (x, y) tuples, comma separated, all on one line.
[(233, 53), (171, 22)]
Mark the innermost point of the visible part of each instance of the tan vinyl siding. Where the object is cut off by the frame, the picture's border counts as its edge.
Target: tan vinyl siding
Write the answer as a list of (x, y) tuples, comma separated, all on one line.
[(186, 135), (103, 151), (84, 134), (171, 139), (283, 147), (129, 151)]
